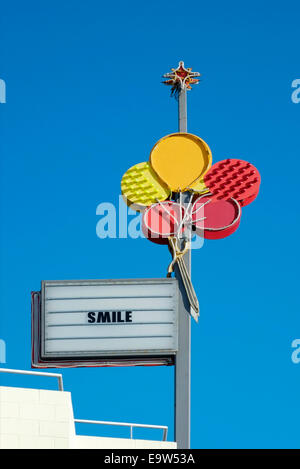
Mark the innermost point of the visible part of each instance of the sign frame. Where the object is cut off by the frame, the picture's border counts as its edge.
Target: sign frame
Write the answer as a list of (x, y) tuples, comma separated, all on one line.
[(154, 357)]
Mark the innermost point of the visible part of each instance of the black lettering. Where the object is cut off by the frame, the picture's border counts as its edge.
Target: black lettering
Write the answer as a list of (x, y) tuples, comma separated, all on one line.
[(119, 313), (103, 316), (128, 316), (91, 317), (106, 317)]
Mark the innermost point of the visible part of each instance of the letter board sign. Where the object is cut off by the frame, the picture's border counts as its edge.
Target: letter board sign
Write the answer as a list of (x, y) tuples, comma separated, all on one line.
[(105, 322)]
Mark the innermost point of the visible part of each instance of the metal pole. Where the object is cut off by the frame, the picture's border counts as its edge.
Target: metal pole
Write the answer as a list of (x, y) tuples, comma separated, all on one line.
[(182, 110), (183, 357)]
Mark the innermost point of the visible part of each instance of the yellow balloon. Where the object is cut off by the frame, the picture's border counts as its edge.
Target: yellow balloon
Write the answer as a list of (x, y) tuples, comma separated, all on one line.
[(142, 187), (180, 160)]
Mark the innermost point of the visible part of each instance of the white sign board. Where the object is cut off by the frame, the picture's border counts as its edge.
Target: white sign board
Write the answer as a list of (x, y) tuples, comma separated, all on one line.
[(108, 319)]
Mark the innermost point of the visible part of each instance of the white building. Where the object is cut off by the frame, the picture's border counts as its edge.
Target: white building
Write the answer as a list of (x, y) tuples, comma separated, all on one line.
[(43, 419)]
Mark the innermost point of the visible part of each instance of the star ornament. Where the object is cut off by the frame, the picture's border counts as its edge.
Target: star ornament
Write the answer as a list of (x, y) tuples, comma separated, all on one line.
[(181, 77)]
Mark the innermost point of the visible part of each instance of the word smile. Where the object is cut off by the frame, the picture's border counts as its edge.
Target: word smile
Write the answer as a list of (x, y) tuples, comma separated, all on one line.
[(110, 317)]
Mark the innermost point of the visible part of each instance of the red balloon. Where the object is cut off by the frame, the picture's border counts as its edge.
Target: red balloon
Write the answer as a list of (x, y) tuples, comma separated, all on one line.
[(162, 220), (222, 217), (235, 179)]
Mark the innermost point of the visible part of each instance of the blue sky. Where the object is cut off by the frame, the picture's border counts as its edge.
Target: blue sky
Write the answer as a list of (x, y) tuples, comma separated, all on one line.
[(84, 103)]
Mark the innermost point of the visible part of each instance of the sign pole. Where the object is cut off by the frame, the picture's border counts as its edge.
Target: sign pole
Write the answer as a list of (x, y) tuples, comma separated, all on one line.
[(181, 79), (182, 110), (183, 356)]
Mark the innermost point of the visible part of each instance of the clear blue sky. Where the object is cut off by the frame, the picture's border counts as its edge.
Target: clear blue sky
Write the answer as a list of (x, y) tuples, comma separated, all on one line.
[(84, 103)]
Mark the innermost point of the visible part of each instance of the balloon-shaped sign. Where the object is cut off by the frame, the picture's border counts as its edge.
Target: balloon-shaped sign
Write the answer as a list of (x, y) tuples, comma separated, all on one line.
[(215, 219), (142, 187), (233, 178), (181, 159), (162, 220)]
